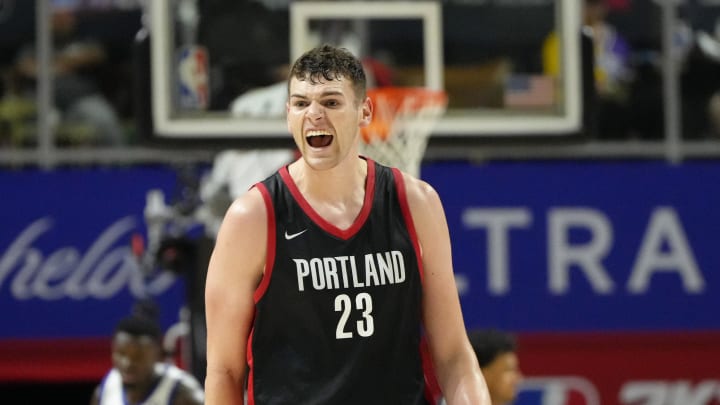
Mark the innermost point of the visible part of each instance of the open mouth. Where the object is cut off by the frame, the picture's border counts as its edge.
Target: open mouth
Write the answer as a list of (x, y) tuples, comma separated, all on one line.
[(318, 139)]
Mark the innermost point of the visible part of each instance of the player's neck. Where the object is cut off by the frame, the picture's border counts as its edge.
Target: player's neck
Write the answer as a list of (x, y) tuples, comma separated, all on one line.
[(138, 393), (342, 182), (338, 194)]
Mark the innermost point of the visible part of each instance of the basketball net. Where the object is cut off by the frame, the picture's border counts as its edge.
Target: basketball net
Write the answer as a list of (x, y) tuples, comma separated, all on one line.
[(403, 120)]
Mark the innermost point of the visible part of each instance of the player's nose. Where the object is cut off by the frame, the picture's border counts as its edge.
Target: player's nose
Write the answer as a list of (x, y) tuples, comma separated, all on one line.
[(316, 111)]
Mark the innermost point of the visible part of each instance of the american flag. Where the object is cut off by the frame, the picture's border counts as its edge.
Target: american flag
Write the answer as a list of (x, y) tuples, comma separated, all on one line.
[(529, 91)]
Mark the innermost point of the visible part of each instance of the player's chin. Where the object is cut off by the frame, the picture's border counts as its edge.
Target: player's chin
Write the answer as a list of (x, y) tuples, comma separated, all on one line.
[(129, 384), (320, 161), (130, 380)]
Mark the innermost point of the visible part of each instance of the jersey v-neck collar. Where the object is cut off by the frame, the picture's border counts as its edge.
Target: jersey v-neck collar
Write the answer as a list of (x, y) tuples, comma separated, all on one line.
[(359, 221)]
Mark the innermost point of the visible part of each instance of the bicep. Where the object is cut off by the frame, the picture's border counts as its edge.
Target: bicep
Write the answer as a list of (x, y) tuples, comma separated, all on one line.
[(442, 315), (455, 364), (235, 269)]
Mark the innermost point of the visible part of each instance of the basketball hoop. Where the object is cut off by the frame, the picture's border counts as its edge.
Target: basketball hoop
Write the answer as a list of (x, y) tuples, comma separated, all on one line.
[(403, 119)]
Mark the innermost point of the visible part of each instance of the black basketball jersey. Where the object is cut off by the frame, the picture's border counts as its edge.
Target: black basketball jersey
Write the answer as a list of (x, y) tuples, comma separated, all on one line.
[(338, 312)]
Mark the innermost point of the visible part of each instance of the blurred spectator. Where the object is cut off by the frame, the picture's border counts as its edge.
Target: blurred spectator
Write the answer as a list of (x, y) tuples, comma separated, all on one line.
[(700, 85), (16, 113), (611, 70), (255, 57), (496, 354), (139, 374), (714, 111), (259, 99), (85, 114)]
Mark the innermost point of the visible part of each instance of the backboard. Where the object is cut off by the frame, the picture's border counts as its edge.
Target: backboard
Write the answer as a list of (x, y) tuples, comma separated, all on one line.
[(488, 56)]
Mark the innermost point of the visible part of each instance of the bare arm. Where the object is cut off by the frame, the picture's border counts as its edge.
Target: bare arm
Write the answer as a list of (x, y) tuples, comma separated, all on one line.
[(455, 363), (235, 270)]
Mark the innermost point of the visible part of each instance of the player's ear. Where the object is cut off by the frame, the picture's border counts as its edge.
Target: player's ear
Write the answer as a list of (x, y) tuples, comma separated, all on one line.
[(287, 115), (366, 112)]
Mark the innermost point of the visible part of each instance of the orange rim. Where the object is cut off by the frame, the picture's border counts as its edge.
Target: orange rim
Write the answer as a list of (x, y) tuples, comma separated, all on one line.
[(387, 102)]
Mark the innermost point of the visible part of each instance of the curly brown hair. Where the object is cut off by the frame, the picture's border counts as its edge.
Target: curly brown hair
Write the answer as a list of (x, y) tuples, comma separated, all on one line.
[(327, 62)]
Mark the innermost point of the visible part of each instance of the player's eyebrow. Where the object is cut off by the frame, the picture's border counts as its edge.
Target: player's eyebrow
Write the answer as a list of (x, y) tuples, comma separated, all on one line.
[(323, 94)]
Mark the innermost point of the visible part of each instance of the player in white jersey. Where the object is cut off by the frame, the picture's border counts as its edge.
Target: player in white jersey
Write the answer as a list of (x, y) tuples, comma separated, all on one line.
[(139, 376)]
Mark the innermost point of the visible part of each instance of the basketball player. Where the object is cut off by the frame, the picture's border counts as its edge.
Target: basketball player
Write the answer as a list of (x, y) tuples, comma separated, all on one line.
[(496, 353), (138, 375), (329, 277)]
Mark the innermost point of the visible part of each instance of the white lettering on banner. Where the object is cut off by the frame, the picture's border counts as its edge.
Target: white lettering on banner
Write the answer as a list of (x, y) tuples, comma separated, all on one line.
[(498, 222), (664, 248), (665, 228), (670, 392), (100, 273), (587, 257)]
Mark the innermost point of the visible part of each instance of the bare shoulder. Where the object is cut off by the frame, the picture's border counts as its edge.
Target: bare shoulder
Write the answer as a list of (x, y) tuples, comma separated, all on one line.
[(422, 197), (430, 222), (247, 210), (239, 252), (245, 221)]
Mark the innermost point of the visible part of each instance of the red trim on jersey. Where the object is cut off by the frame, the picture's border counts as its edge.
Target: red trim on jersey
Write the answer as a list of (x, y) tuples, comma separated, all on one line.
[(270, 255), (433, 392), (405, 207), (251, 368), (260, 291), (343, 234)]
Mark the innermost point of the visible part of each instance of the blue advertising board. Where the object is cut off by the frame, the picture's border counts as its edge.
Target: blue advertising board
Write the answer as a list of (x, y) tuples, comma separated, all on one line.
[(66, 265), (584, 246), (537, 246), (586, 249)]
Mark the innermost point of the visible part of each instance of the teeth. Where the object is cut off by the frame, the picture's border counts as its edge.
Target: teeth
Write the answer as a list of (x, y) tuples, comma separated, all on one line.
[(316, 133)]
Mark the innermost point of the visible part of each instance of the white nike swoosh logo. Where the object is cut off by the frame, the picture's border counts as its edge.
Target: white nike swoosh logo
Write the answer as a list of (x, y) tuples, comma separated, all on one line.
[(294, 235)]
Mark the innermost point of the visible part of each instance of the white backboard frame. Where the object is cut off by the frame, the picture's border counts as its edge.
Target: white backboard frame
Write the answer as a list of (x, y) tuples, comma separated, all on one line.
[(429, 13), (220, 125), (569, 122)]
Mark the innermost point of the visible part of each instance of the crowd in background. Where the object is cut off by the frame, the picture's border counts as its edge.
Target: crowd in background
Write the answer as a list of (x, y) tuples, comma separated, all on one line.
[(95, 54), (91, 70), (94, 80)]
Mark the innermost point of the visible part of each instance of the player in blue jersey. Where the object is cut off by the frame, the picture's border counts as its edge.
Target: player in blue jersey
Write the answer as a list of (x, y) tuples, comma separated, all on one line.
[(331, 281), (139, 374), (496, 351)]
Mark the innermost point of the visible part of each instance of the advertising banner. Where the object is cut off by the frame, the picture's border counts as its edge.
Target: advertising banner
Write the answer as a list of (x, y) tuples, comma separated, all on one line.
[(566, 246), (67, 271), (607, 272), (669, 368)]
